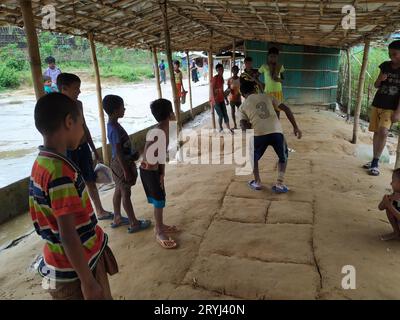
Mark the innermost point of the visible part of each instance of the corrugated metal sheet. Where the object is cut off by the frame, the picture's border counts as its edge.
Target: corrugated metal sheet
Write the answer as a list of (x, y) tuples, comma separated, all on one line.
[(311, 72)]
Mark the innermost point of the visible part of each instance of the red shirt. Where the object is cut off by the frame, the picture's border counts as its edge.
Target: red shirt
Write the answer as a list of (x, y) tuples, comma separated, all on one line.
[(217, 85)]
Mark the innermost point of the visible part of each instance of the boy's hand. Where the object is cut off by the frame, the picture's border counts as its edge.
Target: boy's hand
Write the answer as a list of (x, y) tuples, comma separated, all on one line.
[(382, 77), (298, 133), (92, 291)]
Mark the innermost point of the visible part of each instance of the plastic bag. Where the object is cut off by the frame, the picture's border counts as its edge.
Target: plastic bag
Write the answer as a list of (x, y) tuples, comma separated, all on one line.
[(103, 174)]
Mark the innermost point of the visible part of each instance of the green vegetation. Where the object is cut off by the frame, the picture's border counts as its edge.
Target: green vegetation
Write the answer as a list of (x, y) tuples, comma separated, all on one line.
[(377, 55), (73, 54)]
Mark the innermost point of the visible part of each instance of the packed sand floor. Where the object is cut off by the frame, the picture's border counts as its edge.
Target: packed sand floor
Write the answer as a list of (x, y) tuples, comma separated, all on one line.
[(236, 243)]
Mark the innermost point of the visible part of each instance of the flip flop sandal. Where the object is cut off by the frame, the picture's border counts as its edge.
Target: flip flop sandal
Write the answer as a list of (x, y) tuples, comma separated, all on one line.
[(253, 185), (374, 172), (280, 189), (143, 224), (167, 244), (124, 222), (108, 216)]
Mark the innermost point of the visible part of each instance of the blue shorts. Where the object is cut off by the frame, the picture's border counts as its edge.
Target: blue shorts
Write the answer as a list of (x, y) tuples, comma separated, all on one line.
[(82, 157), (276, 140)]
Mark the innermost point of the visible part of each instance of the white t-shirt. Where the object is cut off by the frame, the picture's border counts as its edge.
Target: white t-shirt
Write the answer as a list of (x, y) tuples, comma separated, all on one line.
[(53, 74)]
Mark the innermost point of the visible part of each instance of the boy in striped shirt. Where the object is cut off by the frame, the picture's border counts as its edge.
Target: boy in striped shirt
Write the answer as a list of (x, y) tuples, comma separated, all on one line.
[(76, 258)]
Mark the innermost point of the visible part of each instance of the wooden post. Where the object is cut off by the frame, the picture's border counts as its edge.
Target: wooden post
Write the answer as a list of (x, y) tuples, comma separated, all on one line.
[(99, 99), (157, 72), (190, 83), (344, 80), (163, 7), (210, 77), (348, 53), (33, 47), (233, 53), (360, 91)]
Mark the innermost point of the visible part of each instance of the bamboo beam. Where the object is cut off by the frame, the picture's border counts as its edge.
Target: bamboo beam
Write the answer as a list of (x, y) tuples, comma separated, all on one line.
[(360, 91), (157, 72), (348, 54), (190, 83), (163, 7), (210, 77), (106, 158), (33, 47)]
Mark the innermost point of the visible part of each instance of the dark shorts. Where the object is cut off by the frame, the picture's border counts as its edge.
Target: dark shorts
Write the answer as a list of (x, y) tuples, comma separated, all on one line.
[(82, 157), (234, 104), (119, 176), (220, 108), (276, 140), (152, 187)]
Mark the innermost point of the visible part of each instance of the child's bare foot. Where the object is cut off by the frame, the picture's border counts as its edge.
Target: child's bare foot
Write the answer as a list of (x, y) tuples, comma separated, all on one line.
[(165, 242), (169, 229), (119, 221), (390, 236)]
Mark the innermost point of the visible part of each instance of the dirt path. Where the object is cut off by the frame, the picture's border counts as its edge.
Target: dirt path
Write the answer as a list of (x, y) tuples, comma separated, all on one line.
[(240, 244)]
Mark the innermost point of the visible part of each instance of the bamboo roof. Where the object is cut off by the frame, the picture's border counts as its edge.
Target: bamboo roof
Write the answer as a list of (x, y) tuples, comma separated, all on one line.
[(138, 23)]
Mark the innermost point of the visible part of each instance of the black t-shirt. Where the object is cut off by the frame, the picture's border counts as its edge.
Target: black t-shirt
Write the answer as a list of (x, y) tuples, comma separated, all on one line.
[(388, 94)]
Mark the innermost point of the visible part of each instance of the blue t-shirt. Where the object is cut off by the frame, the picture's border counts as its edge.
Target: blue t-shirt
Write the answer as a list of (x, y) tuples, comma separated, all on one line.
[(162, 66), (116, 134)]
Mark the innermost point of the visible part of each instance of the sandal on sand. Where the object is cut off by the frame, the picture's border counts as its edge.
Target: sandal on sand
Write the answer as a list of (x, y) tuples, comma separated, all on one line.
[(254, 185), (143, 224), (167, 244), (108, 216), (280, 188), (374, 171), (124, 222)]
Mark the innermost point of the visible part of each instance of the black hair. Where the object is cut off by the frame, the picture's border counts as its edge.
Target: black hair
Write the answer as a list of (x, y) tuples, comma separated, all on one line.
[(235, 67), (176, 62), (111, 103), (161, 109), (66, 79), (273, 50), (247, 87), (248, 59), (46, 78), (219, 65), (49, 60), (395, 45), (396, 173), (51, 111)]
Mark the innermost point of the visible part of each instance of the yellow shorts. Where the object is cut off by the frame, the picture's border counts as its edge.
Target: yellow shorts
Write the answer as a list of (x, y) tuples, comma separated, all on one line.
[(278, 95), (380, 118)]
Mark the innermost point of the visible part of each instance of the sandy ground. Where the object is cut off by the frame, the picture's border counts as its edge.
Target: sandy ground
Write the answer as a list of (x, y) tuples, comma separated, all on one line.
[(241, 244)]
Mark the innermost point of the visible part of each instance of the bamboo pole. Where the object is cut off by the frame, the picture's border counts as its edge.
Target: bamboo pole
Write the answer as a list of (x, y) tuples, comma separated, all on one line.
[(360, 91), (157, 72), (233, 53), (344, 80), (348, 53), (163, 7), (99, 99), (190, 83), (33, 47), (210, 77)]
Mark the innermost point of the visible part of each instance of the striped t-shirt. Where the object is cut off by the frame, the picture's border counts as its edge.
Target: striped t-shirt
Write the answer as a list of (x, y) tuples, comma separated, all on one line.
[(57, 188)]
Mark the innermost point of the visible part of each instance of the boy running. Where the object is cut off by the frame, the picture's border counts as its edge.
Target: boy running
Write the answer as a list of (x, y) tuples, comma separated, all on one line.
[(235, 98), (123, 164), (76, 258), (152, 170), (258, 112), (385, 106), (69, 84)]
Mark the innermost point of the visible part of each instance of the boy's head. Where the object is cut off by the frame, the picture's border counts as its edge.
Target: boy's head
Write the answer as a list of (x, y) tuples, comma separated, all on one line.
[(247, 88), (113, 105), (162, 110), (177, 64), (235, 70), (58, 115), (273, 54), (220, 69), (248, 62), (396, 180), (51, 62), (394, 51), (46, 80), (162, 60), (69, 84)]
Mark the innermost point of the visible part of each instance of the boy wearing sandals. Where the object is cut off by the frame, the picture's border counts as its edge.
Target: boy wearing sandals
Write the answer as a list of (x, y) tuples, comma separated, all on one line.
[(385, 106), (123, 165), (259, 112), (152, 169)]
